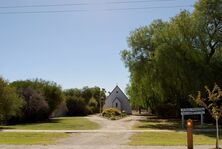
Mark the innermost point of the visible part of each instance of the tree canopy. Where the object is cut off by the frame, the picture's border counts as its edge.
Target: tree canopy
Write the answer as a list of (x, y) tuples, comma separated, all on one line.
[(50, 92), (168, 60), (84, 101), (10, 103)]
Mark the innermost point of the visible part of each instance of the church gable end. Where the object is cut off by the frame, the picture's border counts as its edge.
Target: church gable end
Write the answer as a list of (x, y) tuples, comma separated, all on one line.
[(117, 99)]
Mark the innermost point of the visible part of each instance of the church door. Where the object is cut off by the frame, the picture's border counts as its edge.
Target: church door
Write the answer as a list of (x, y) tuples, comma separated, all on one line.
[(117, 104)]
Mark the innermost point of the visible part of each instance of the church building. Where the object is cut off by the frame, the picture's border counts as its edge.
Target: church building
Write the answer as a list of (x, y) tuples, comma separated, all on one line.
[(117, 99)]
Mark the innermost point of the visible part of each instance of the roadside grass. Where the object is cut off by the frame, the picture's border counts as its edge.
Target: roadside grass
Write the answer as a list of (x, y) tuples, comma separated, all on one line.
[(178, 135), (28, 138), (170, 138), (62, 123), (152, 122)]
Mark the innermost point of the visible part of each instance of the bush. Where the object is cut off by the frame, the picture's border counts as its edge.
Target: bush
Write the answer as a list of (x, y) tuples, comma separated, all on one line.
[(35, 107), (51, 92), (166, 110), (111, 113), (77, 106), (93, 104), (92, 98)]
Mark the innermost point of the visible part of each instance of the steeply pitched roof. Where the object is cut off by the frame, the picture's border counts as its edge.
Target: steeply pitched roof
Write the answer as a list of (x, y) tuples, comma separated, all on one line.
[(120, 91)]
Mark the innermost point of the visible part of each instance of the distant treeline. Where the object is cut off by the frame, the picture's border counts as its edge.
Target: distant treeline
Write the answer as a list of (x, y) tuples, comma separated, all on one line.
[(37, 99)]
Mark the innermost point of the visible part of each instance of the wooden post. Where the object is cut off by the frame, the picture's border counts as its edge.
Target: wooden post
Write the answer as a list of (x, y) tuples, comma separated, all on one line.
[(189, 134)]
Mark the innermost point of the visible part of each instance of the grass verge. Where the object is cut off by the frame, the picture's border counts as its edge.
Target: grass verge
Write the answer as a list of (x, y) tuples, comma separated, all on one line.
[(28, 138), (170, 138), (62, 123), (152, 122)]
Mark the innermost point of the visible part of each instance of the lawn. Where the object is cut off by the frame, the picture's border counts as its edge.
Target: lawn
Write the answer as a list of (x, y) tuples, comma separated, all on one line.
[(152, 122), (176, 137), (170, 138), (62, 123), (30, 137)]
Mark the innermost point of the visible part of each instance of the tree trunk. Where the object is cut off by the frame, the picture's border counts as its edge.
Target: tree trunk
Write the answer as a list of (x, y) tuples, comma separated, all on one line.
[(139, 110)]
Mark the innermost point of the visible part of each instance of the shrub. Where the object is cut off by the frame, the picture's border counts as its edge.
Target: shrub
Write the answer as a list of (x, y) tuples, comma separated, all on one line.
[(93, 104), (51, 92), (111, 113), (35, 107), (166, 110), (93, 97), (77, 106)]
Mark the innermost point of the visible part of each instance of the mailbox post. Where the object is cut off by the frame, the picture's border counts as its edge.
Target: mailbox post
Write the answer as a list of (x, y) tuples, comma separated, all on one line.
[(189, 134)]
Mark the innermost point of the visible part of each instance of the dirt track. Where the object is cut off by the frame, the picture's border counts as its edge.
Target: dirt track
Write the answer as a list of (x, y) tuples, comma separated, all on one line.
[(117, 138)]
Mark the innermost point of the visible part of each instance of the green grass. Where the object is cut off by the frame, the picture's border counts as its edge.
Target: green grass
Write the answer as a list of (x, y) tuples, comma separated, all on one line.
[(63, 123), (171, 124), (158, 124), (170, 138), (30, 137)]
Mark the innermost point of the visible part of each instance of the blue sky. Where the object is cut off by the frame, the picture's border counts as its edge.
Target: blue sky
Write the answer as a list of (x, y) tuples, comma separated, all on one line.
[(74, 49)]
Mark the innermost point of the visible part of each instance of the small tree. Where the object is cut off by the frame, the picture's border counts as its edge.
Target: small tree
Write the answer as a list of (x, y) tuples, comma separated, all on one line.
[(213, 103)]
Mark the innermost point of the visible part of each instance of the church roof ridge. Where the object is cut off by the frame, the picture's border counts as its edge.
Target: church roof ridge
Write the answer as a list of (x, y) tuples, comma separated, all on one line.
[(119, 89)]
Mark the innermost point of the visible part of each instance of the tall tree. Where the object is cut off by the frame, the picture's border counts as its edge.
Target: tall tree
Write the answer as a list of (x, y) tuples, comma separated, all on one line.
[(165, 57), (208, 20)]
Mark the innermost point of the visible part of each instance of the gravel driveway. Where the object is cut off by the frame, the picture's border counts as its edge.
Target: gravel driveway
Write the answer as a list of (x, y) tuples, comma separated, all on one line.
[(104, 138)]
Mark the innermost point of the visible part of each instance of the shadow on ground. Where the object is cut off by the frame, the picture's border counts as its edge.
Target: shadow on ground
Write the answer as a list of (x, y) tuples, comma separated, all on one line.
[(10, 126)]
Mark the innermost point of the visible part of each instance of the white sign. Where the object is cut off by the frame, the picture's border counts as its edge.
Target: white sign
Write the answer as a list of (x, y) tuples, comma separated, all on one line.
[(192, 111)]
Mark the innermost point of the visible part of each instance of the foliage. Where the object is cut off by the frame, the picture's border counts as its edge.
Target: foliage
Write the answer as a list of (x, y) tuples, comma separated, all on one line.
[(87, 100), (77, 106), (113, 113), (168, 61), (93, 105), (35, 107), (213, 101), (51, 92), (10, 103), (166, 110)]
